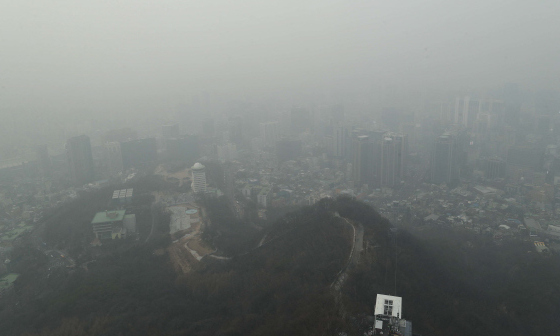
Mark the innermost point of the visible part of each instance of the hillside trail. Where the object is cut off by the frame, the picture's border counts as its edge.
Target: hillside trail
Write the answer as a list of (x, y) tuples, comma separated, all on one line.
[(355, 252)]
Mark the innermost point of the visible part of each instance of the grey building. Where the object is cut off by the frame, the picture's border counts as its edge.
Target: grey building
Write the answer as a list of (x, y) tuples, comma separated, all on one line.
[(80, 160), (444, 161)]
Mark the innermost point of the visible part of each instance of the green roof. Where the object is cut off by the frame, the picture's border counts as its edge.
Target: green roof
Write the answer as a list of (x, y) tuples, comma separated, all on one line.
[(7, 280), (108, 216), (14, 233)]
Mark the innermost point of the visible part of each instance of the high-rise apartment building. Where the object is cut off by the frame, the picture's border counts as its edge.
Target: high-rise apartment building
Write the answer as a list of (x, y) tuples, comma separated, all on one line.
[(138, 153), (466, 111), (113, 158), (362, 158), (340, 138), (198, 178), (185, 148), (392, 159), (444, 161), (494, 168), (80, 160)]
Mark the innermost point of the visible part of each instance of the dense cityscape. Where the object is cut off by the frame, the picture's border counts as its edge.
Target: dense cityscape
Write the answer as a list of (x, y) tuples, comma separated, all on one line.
[(487, 163), (279, 168)]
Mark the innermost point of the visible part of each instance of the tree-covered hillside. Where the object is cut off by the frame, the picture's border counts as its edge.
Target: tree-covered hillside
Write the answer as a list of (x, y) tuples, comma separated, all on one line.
[(452, 283)]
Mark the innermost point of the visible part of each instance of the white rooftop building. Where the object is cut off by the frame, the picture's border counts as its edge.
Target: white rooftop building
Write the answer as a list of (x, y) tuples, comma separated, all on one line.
[(198, 178), (388, 317), (388, 305)]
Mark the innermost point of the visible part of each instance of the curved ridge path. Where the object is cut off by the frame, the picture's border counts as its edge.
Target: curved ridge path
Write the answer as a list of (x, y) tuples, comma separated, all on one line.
[(355, 252)]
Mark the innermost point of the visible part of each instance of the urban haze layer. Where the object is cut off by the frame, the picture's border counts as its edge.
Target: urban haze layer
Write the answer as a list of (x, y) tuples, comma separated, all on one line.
[(248, 168)]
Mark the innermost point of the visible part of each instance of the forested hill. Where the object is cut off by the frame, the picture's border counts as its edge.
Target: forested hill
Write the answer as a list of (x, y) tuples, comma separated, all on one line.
[(281, 287), (452, 283)]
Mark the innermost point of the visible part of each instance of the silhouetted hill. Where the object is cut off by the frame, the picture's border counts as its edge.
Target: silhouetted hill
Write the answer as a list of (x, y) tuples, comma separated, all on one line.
[(452, 283), (459, 283)]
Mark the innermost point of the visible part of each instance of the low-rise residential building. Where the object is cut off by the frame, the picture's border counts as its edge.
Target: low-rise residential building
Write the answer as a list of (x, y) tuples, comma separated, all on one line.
[(113, 224)]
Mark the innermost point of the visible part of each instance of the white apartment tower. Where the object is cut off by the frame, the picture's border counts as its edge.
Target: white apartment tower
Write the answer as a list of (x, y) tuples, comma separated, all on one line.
[(198, 178)]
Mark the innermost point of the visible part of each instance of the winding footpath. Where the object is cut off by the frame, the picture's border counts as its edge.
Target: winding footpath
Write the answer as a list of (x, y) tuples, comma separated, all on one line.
[(355, 252)]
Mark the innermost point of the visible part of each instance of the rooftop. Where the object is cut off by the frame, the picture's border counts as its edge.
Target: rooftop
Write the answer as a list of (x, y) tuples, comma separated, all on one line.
[(14, 233), (108, 216), (7, 280), (198, 165), (123, 193)]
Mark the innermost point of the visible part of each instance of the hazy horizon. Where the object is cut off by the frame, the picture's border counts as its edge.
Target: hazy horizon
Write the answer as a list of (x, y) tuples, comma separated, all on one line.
[(146, 56)]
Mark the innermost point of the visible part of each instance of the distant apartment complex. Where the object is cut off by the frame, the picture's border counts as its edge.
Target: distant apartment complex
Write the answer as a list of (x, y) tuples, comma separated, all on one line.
[(379, 158)]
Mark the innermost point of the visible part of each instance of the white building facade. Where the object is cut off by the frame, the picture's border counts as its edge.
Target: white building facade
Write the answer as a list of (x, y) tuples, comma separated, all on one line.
[(198, 178)]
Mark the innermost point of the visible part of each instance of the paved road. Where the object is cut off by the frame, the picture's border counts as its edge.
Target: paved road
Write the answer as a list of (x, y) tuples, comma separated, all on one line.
[(355, 252)]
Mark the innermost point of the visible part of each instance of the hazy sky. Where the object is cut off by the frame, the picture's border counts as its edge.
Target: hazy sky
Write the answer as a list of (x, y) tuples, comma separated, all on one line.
[(136, 55)]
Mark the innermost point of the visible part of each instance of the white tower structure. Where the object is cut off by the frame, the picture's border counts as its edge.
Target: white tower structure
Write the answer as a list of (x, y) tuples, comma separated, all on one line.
[(198, 178)]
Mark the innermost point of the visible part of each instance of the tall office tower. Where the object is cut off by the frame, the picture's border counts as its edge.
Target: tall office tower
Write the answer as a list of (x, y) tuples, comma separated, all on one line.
[(113, 158), (139, 153), (184, 149), (375, 153), (411, 132), (300, 120), (340, 138), (269, 133), (80, 160), (44, 160), (444, 161), (361, 152), (198, 178), (494, 168), (466, 111), (482, 125), (393, 159), (387, 162)]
